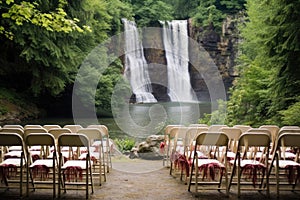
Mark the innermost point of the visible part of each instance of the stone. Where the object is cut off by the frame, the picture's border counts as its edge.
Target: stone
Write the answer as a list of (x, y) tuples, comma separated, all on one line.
[(148, 149)]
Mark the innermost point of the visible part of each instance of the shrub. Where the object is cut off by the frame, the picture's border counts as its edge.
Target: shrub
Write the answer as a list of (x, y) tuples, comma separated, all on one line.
[(125, 144)]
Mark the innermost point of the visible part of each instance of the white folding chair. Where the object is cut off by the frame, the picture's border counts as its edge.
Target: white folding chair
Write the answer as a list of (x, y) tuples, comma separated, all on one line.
[(244, 128), (107, 144), (13, 126), (50, 126), (204, 171), (42, 170), (73, 127), (12, 168), (251, 162), (176, 145), (287, 169), (165, 145), (71, 173), (97, 151), (189, 145)]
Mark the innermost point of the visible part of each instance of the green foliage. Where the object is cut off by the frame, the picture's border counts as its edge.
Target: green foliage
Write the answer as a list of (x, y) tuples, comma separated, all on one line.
[(249, 101), (106, 86), (50, 40), (11, 96), (3, 109), (269, 64), (184, 9), (124, 144), (214, 12), (216, 117), (55, 19), (291, 116), (148, 12)]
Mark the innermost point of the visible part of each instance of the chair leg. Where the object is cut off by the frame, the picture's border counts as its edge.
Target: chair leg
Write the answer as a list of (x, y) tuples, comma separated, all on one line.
[(191, 176)]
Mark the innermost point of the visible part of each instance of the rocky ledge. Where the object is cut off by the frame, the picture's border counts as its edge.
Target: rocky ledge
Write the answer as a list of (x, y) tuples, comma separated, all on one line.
[(150, 149)]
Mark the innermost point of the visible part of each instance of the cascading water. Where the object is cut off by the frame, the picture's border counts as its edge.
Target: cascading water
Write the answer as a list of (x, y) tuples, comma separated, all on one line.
[(136, 67), (175, 37)]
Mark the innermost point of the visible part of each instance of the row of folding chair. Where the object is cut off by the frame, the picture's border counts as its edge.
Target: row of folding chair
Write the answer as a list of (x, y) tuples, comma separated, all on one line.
[(249, 156), (40, 146), (56, 130), (43, 170)]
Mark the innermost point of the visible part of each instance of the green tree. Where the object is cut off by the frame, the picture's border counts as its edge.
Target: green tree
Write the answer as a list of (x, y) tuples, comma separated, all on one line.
[(148, 12), (42, 52), (214, 11), (269, 60), (49, 39)]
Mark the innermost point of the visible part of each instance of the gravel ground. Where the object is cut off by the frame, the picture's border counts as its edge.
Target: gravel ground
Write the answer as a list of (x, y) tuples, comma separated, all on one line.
[(145, 180)]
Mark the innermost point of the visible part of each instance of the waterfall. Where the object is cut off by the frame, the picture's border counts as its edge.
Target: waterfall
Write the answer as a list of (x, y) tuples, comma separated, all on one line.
[(136, 67), (175, 37)]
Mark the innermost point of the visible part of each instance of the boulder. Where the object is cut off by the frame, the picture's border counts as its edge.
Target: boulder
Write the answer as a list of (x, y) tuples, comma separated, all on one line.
[(148, 149)]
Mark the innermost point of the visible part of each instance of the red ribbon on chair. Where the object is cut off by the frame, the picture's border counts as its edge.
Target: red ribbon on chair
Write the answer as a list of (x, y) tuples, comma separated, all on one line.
[(252, 171), (290, 172), (210, 169), (73, 172), (9, 170), (162, 147), (40, 170), (35, 157), (183, 164)]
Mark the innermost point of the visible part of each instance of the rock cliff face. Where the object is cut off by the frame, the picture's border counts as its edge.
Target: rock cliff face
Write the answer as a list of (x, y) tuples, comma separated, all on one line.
[(222, 49)]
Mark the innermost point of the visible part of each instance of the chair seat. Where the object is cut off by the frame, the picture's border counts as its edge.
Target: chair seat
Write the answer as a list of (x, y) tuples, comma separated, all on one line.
[(12, 162), (288, 155), (204, 162), (230, 155), (94, 156), (45, 162), (200, 154), (13, 154), (248, 162), (75, 163), (287, 163), (15, 148)]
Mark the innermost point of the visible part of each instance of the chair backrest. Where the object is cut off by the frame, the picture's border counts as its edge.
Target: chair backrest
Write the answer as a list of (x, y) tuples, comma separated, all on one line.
[(34, 139), (192, 134), (13, 130), (244, 128), (93, 134), (290, 129), (255, 139), (73, 140), (32, 126), (274, 129), (212, 139), (260, 130), (73, 127), (56, 132), (233, 135), (50, 126), (289, 140), (34, 130), (41, 139), (250, 143), (11, 139), (13, 126), (169, 127), (216, 127), (178, 133), (102, 128), (198, 125)]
